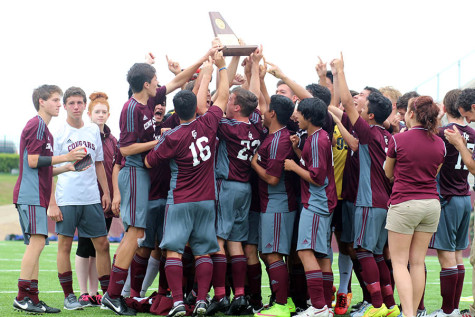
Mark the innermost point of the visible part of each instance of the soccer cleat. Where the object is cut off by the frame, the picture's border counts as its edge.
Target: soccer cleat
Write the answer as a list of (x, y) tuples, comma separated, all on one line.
[(275, 310), (393, 312), (117, 305), (421, 312), (200, 309), (466, 313), (456, 313), (290, 304), (253, 308), (71, 303), (358, 305), (361, 310), (315, 312), (178, 310), (372, 311), (341, 306), (47, 309), (215, 306), (349, 297), (238, 306), (26, 305), (85, 300), (190, 299), (440, 313)]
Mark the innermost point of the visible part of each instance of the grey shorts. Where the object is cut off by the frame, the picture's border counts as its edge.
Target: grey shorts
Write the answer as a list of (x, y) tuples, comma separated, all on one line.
[(134, 186), (88, 219), (314, 232), (452, 231), (191, 223), (33, 220), (254, 228), (414, 215), (234, 200), (347, 221), (276, 232), (154, 229), (370, 233)]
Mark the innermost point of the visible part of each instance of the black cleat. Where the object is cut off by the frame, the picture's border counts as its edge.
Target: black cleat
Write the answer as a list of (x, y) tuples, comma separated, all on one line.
[(217, 306), (177, 311), (190, 299), (200, 309), (27, 306), (118, 305), (238, 306), (47, 309)]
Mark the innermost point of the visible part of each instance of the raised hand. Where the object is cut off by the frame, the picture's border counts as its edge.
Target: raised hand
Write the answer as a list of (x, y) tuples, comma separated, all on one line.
[(263, 70), (219, 59), (321, 68), (149, 58), (337, 65), (256, 56), (207, 68), (274, 70), (239, 80), (173, 66)]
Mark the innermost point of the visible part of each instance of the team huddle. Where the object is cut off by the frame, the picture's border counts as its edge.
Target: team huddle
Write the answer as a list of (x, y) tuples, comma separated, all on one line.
[(237, 176)]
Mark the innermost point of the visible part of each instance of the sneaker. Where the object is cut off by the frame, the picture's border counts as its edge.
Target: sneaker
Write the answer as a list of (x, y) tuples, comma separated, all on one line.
[(358, 305), (372, 311), (275, 310), (466, 313), (440, 313), (361, 310), (190, 299), (96, 300), (117, 305), (178, 310), (394, 311), (315, 312), (421, 312), (215, 306), (456, 313), (71, 303), (238, 306), (253, 308), (47, 309), (341, 306), (27, 306), (290, 304), (85, 300), (349, 297), (200, 309)]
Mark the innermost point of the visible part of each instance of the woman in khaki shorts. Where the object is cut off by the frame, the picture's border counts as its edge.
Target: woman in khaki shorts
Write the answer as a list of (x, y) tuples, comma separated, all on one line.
[(413, 160)]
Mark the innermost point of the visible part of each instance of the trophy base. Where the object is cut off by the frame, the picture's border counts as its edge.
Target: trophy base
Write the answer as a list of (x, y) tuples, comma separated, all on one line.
[(238, 50)]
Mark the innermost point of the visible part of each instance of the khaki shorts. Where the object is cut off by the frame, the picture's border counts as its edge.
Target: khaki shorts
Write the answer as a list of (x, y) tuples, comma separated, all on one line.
[(414, 215)]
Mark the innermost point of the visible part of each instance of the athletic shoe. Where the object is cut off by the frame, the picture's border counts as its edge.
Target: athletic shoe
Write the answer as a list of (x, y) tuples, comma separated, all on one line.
[(421, 312), (466, 313), (376, 312), (358, 305), (117, 305), (394, 311), (200, 309), (440, 313), (178, 310), (217, 306), (71, 303), (85, 300), (238, 306), (341, 306), (96, 300), (190, 299), (349, 297), (47, 309), (361, 310), (253, 308), (275, 310), (315, 312), (27, 306), (290, 304)]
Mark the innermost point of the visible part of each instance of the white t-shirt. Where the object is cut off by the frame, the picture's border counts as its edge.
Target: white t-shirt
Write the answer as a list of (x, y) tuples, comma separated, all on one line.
[(78, 188)]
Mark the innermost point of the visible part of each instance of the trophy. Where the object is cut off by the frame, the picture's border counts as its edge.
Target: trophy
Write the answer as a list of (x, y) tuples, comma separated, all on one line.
[(228, 38)]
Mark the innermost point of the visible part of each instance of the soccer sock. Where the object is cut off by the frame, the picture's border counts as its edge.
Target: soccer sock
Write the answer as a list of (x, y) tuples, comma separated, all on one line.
[(315, 288), (33, 294), (328, 287), (174, 272), (162, 279), (239, 265), (448, 284), (138, 267), (228, 280), (104, 281), (357, 270), (66, 281), (298, 283), (279, 279), (254, 276), (117, 280), (126, 289), (150, 274), (204, 273), (389, 264), (188, 269), (385, 281), (219, 275), (370, 274), (23, 289), (345, 267), (459, 287)]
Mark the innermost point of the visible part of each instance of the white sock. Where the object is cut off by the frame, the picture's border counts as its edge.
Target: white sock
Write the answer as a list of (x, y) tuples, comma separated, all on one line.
[(345, 266), (126, 289), (150, 275)]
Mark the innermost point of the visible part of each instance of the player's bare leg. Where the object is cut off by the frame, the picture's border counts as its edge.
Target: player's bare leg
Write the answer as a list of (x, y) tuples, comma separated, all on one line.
[(128, 246), (64, 252), (30, 261)]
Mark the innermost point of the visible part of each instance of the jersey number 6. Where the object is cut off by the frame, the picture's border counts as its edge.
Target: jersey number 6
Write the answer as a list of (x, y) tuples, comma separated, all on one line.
[(205, 152)]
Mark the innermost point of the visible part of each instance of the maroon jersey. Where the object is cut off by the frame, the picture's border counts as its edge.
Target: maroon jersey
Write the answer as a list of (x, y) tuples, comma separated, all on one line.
[(373, 185), (352, 166), (418, 157), (109, 148), (136, 125), (33, 186), (317, 159), (190, 147), (275, 149)]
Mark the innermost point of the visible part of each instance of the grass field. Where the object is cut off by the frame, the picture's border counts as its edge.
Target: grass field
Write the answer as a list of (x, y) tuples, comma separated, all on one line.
[(7, 183), (51, 293)]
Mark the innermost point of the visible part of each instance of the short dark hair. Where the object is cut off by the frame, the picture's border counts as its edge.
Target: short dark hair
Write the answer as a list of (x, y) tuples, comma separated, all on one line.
[(74, 91), (450, 103), (380, 106), (329, 75), (466, 99), (185, 104), (314, 110), (372, 89), (404, 99), (283, 107), (44, 92), (321, 92), (190, 85), (353, 93), (139, 74), (246, 100)]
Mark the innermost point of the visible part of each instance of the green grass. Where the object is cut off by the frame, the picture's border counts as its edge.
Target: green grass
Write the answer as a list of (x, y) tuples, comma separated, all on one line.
[(7, 183), (50, 290)]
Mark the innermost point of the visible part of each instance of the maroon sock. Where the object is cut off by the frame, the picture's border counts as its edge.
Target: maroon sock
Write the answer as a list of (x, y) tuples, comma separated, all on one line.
[(228, 281), (385, 281), (33, 294), (254, 276), (239, 265), (204, 273), (299, 283), (328, 288), (117, 280), (448, 284), (162, 278), (389, 264), (104, 281), (421, 303), (357, 270), (219, 275), (66, 281), (315, 288), (23, 289), (138, 268), (458, 289), (174, 272), (188, 269), (279, 278), (370, 274)]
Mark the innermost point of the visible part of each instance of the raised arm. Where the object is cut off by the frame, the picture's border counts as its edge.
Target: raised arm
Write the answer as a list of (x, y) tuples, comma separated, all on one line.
[(345, 95), (254, 85), (350, 140), (223, 83), (264, 99), (298, 90), (202, 96)]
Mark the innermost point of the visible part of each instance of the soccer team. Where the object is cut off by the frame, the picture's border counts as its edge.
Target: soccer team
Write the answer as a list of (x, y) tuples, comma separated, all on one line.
[(236, 176)]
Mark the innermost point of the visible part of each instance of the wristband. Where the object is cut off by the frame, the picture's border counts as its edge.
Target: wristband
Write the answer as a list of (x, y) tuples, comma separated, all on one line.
[(44, 161), (223, 68)]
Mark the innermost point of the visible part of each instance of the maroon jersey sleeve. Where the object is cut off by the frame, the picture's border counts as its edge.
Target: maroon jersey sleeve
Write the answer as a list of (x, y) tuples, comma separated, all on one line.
[(212, 117), (391, 148), (363, 131), (317, 164), (129, 123), (278, 152), (162, 151), (34, 137)]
